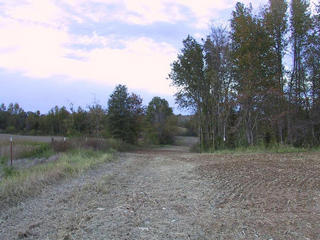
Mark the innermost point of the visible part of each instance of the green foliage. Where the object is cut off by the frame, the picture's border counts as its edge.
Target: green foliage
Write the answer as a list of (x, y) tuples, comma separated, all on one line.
[(9, 171), (41, 150), (237, 84), (187, 74), (3, 161), (158, 110), (161, 123), (124, 115)]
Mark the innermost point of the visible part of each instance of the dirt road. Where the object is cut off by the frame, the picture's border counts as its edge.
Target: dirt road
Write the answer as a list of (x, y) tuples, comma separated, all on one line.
[(172, 194)]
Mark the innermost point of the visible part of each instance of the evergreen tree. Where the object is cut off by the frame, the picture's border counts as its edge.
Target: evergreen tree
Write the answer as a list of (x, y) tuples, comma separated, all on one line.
[(123, 112)]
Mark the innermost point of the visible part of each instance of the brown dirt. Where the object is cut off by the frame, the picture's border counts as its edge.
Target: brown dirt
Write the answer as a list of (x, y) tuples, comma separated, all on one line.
[(172, 194)]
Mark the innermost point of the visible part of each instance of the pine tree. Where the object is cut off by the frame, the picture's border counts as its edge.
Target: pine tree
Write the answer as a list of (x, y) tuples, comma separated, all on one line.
[(123, 114)]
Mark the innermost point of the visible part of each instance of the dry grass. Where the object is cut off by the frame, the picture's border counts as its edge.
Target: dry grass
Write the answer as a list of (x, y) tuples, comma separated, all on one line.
[(19, 149), (29, 182), (22, 138), (23, 146)]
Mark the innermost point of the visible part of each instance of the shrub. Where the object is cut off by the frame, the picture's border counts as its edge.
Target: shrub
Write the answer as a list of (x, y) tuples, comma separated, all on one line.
[(42, 150), (61, 146)]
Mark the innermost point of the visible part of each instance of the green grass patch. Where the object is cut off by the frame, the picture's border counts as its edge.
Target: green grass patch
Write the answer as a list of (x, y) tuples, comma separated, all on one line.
[(41, 150), (26, 149), (259, 149), (28, 182)]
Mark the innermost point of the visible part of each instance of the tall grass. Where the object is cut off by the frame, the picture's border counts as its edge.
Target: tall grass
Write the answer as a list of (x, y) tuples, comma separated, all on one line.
[(28, 182), (25, 149)]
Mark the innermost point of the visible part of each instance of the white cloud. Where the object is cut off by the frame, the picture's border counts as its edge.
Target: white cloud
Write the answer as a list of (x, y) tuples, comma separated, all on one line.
[(144, 12), (44, 12), (35, 40), (39, 51)]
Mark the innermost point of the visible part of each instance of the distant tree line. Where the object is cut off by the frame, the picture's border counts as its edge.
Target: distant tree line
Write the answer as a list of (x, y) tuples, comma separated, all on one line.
[(257, 82), (124, 118)]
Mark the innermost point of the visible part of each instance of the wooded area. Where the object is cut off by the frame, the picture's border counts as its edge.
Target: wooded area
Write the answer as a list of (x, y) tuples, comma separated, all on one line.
[(257, 83), (125, 118)]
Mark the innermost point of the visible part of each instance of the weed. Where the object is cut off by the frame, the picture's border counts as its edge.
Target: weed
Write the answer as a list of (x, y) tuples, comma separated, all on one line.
[(9, 171), (42, 150), (3, 161), (279, 148), (28, 182)]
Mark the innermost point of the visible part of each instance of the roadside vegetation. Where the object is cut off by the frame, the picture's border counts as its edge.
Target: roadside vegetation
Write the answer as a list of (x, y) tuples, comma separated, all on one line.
[(25, 149), (20, 184), (71, 158), (259, 149)]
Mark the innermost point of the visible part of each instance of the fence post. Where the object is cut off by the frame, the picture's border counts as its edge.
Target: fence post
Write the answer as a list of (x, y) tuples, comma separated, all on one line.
[(11, 150)]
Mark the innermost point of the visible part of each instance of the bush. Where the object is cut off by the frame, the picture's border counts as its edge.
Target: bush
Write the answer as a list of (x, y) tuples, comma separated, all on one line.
[(61, 146), (9, 171), (95, 144), (42, 150)]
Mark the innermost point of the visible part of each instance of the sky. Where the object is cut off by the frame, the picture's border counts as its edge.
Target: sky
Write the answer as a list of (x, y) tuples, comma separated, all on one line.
[(63, 52)]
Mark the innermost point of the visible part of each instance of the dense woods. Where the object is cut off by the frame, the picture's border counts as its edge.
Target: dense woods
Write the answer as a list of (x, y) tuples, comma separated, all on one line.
[(256, 83), (124, 118)]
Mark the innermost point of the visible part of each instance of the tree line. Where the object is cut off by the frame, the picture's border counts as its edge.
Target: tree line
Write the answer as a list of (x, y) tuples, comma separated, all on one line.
[(256, 82), (124, 118)]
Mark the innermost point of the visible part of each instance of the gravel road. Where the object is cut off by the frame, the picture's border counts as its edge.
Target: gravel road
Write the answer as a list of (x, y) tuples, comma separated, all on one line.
[(158, 194)]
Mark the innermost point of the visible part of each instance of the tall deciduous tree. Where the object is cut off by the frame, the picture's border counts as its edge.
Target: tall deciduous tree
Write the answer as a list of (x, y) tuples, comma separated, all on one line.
[(252, 61), (276, 23), (218, 75), (298, 90), (313, 71), (187, 74)]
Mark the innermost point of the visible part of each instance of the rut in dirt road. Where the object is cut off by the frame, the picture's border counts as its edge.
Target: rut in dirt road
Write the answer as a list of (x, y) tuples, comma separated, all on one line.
[(172, 194)]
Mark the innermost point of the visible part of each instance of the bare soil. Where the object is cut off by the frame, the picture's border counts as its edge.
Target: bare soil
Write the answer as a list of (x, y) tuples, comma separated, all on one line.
[(169, 193)]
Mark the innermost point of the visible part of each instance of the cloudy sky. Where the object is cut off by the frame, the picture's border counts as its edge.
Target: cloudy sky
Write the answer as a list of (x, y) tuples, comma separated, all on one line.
[(58, 52)]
